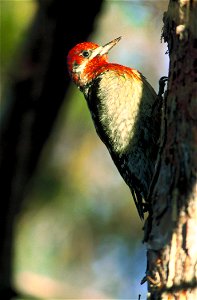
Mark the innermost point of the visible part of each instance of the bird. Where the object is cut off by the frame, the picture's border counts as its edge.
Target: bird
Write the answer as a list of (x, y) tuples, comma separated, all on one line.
[(126, 113)]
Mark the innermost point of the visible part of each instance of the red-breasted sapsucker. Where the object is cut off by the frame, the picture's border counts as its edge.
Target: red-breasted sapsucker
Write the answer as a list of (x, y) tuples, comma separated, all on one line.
[(125, 112)]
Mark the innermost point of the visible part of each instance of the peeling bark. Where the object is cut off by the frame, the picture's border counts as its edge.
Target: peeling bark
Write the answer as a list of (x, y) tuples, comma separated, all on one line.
[(171, 243)]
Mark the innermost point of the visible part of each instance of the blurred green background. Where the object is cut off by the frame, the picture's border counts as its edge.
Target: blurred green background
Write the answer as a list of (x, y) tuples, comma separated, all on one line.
[(79, 235)]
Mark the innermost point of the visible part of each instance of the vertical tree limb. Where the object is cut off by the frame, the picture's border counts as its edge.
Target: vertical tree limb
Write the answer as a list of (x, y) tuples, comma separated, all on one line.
[(172, 240)]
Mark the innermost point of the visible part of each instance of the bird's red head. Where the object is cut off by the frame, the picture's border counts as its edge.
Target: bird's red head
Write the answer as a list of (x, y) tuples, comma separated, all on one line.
[(86, 59)]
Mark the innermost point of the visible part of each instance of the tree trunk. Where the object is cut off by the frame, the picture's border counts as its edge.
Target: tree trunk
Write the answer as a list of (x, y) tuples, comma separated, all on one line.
[(172, 238), (34, 96)]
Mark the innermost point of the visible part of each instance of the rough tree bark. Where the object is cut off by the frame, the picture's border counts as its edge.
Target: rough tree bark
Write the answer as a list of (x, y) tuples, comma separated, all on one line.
[(35, 93), (172, 239)]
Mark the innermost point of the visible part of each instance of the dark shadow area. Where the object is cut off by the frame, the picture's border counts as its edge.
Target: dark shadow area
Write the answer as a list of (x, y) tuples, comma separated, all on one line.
[(34, 96)]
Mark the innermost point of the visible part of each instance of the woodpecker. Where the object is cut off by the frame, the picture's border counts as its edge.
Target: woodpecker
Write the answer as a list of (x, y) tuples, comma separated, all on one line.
[(125, 111)]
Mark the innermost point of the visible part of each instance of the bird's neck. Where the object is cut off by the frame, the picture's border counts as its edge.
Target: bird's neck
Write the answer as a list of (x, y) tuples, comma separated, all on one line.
[(91, 70), (99, 65)]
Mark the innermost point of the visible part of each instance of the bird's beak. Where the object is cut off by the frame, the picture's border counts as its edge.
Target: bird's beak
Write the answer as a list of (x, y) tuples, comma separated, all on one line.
[(101, 50), (105, 49)]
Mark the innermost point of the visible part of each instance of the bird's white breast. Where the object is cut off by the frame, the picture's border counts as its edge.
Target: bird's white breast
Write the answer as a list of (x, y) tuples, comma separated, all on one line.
[(119, 107)]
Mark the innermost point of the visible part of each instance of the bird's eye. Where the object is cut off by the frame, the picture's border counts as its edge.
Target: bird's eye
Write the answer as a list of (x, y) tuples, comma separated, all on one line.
[(86, 53)]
